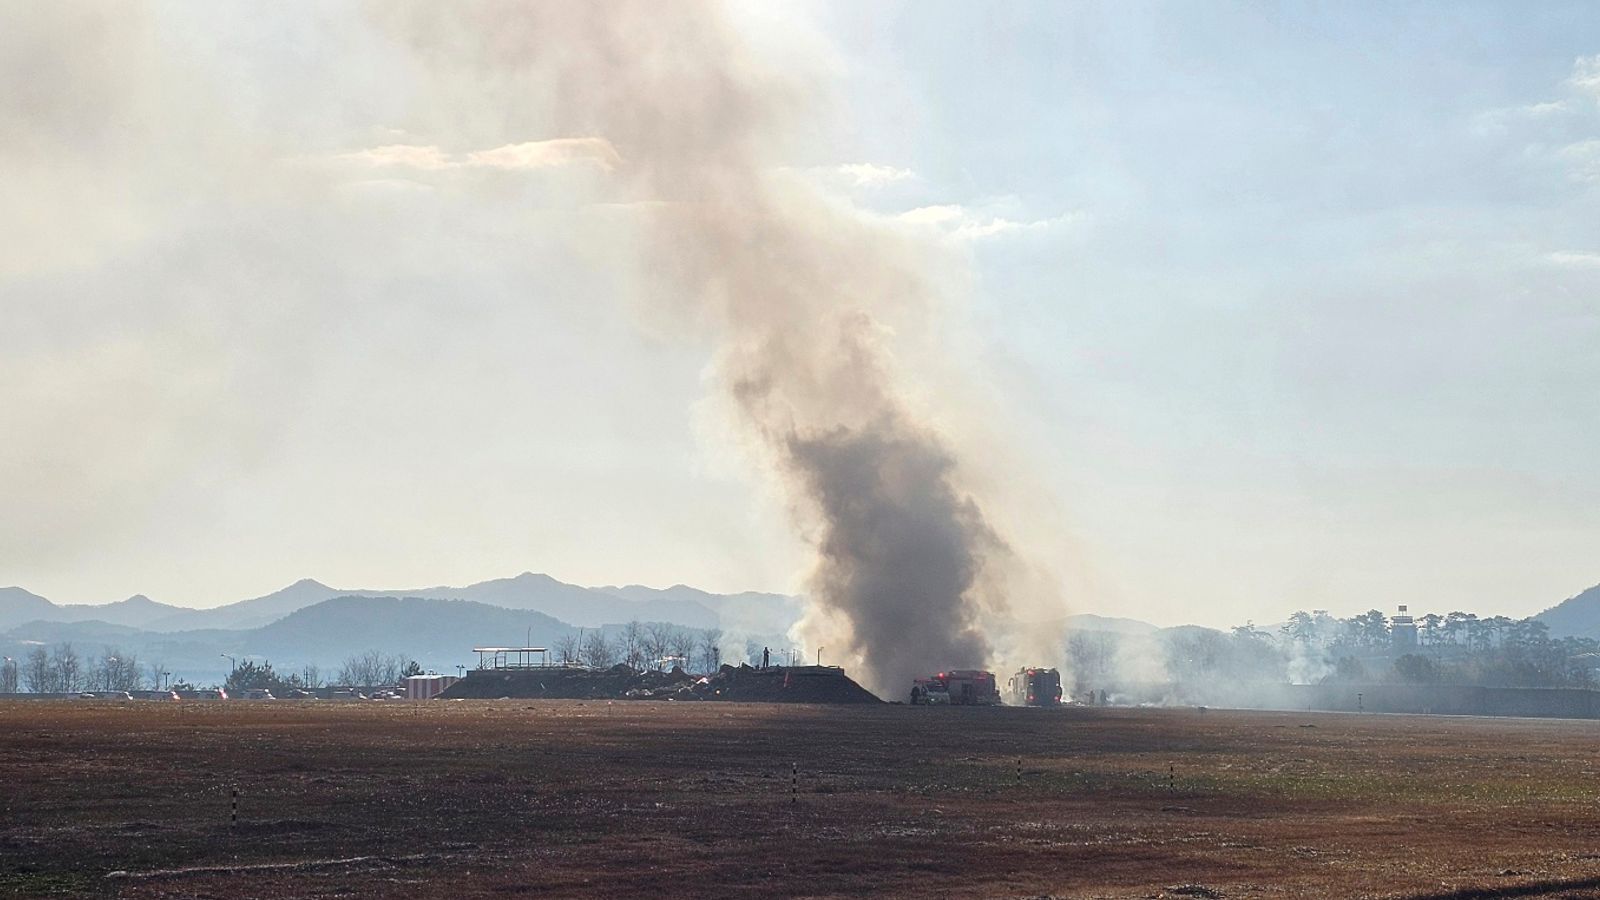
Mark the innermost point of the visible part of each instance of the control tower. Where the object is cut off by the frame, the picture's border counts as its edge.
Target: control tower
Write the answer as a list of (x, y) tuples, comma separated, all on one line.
[(1403, 631)]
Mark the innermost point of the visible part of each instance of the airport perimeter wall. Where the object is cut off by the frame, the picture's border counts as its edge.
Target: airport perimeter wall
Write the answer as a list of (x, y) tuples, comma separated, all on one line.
[(1427, 699)]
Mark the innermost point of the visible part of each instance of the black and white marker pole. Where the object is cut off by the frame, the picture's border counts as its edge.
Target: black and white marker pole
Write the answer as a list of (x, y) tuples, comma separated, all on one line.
[(233, 811)]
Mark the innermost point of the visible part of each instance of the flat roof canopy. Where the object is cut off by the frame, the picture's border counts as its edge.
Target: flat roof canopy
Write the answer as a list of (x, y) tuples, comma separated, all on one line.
[(512, 657)]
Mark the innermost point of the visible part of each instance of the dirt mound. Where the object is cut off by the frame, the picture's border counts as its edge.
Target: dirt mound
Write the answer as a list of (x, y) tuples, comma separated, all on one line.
[(799, 684), (562, 683)]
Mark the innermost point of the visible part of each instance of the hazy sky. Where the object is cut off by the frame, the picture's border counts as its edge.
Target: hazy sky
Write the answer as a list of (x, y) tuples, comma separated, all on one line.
[(1274, 308)]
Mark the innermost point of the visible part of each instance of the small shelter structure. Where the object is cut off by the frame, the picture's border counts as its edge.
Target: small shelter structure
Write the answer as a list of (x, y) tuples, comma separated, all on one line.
[(512, 657)]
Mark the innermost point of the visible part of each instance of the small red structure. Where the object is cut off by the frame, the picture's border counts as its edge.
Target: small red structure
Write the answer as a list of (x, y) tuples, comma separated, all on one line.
[(427, 687)]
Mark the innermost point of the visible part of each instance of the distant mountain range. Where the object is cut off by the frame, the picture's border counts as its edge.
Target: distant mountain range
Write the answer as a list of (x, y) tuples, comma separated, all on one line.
[(310, 623), (572, 604)]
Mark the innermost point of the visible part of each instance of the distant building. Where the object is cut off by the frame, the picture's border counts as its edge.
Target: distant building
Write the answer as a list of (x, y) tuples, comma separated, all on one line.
[(1403, 632), (426, 687)]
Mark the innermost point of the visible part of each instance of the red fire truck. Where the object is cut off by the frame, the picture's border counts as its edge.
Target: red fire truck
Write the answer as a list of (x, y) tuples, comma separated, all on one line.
[(1035, 687), (958, 687)]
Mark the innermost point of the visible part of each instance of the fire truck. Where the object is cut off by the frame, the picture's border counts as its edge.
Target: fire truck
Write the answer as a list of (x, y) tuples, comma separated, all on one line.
[(959, 687), (1035, 687)]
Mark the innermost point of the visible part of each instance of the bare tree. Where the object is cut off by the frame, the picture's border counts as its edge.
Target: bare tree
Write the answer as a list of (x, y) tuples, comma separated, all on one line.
[(8, 676), (711, 650), (372, 669), (681, 645), (633, 641), (568, 650), (40, 675), (311, 677), (98, 674), (68, 669), (155, 675), (598, 650), (657, 642), (113, 670)]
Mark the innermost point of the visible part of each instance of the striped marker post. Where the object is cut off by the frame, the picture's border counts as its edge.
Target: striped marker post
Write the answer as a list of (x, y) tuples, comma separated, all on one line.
[(233, 812), (1019, 770), (794, 783)]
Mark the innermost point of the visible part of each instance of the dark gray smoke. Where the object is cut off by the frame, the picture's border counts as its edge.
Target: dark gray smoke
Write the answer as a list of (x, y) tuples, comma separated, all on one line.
[(899, 549)]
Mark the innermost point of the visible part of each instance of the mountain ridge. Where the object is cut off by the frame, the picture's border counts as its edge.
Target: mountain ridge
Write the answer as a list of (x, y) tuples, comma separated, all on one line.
[(534, 592), (1576, 616)]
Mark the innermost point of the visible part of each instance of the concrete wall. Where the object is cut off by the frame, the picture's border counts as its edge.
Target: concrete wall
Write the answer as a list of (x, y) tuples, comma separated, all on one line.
[(1428, 699), (1451, 700)]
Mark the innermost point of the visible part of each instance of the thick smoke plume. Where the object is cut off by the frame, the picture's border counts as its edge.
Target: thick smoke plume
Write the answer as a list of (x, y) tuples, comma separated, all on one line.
[(798, 291)]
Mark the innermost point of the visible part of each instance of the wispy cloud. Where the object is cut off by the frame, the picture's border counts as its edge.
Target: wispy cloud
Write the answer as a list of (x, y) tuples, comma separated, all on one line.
[(409, 156), (530, 155), (1573, 259), (996, 227), (1499, 121), (932, 215), (1582, 159), (870, 175), (962, 224), (1586, 76), (1560, 132), (546, 154)]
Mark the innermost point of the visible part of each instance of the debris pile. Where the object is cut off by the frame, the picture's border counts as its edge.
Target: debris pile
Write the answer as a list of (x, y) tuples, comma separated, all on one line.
[(796, 684)]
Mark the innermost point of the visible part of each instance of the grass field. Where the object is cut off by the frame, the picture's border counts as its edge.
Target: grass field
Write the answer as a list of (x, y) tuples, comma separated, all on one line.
[(596, 799)]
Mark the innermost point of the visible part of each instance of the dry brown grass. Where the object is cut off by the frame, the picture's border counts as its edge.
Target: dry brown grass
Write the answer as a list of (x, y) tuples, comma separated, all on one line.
[(596, 799)]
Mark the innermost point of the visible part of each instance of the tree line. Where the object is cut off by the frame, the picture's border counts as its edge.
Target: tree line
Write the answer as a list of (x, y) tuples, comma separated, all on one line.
[(652, 646), (1457, 647), (62, 670), (372, 668), (1315, 647)]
